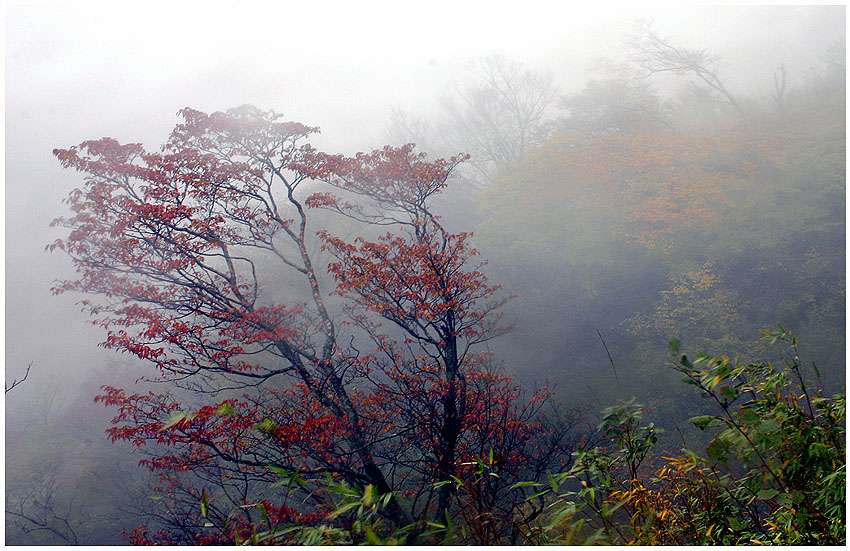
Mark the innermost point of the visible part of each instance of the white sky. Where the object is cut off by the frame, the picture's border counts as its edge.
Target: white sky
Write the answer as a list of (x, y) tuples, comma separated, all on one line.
[(81, 70)]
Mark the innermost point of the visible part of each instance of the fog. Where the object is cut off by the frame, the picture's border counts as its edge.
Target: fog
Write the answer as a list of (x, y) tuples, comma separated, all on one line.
[(82, 70)]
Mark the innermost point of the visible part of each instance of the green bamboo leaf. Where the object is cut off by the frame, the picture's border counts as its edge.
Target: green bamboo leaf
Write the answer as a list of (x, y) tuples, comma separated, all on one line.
[(552, 482), (568, 511), (342, 510), (371, 537), (538, 494), (369, 495), (344, 490), (436, 525), (525, 483), (279, 470)]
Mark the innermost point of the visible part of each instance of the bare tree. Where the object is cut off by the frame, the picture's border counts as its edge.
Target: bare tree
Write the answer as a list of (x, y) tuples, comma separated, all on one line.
[(653, 54), (406, 128), (497, 114), (39, 511)]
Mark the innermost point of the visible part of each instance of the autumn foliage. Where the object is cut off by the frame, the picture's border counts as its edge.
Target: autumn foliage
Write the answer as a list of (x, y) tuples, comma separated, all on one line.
[(290, 349)]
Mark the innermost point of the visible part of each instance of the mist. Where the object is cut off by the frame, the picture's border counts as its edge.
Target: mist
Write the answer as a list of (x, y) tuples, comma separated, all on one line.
[(596, 252)]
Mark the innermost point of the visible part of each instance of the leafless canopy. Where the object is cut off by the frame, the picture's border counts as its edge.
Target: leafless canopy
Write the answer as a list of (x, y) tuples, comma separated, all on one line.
[(497, 114), (653, 54)]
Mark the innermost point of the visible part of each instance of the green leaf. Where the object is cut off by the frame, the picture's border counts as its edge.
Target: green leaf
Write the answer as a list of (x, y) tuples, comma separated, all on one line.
[(225, 410), (538, 494), (450, 525), (279, 470), (266, 426), (729, 392), (735, 524), (769, 426), (344, 490), (204, 504), (718, 450), (552, 482), (342, 510), (702, 421), (818, 449), (703, 358), (767, 494), (675, 345), (176, 417), (371, 537), (525, 483), (617, 505), (785, 500), (288, 478), (369, 495), (436, 525), (748, 416), (563, 513)]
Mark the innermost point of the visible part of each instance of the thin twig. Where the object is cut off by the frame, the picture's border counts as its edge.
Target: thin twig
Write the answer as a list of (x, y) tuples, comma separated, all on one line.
[(610, 359), (17, 382)]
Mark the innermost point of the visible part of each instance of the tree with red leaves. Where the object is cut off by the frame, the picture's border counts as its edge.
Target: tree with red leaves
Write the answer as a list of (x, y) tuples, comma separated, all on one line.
[(368, 377)]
